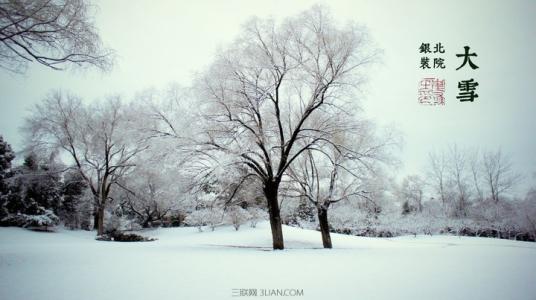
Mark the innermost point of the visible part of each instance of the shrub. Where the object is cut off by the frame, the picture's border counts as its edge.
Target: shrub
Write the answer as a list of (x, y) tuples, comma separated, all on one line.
[(42, 221), (237, 216), (117, 236), (203, 217)]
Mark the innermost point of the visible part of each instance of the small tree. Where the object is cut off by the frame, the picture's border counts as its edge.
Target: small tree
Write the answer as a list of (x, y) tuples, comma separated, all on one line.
[(149, 194), (256, 214), (34, 194), (458, 174), (77, 205), (41, 183), (499, 174), (411, 192), (6, 157), (331, 177), (237, 216), (204, 217), (527, 212)]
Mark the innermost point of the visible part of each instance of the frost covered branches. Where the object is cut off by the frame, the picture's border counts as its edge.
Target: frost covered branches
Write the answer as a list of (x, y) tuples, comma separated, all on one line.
[(100, 140), (280, 90), (334, 174), (272, 129), (461, 176), (54, 33)]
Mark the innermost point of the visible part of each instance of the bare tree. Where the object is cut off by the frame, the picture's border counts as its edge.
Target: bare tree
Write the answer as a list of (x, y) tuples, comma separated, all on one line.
[(156, 189), (277, 92), (54, 33), (337, 173), (499, 174), (476, 172), (146, 198), (449, 176), (438, 175), (310, 174), (100, 139), (412, 191), (458, 176), (528, 212)]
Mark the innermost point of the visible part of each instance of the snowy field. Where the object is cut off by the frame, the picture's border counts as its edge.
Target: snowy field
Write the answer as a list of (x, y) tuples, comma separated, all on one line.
[(186, 264)]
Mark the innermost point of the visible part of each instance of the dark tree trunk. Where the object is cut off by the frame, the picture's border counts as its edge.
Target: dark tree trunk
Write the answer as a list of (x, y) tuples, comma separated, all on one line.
[(324, 227), (146, 222), (95, 218), (100, 220), (270, 191)]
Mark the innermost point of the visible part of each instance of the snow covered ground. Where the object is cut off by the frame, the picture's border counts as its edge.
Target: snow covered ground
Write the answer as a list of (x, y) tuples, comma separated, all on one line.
[(186, 264)]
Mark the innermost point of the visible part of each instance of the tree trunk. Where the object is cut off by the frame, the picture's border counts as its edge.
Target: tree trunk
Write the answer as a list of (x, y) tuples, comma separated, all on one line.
[(324, 227), (95, 219), (270, 192), (100, 220), (146, 222)]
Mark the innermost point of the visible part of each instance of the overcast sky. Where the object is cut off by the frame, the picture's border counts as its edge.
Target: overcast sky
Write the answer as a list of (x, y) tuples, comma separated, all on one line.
[(159, 42)]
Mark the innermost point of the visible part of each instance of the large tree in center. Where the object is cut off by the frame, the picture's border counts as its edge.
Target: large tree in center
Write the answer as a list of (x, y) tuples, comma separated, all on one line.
[(279, 90)]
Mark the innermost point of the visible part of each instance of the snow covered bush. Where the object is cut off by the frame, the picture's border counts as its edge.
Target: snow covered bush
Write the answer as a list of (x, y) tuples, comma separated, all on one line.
[(204, 217), (42, 221), (526, 214), (237, 216), (346, 220), (256, 214), (118, 236), (116, 223)]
